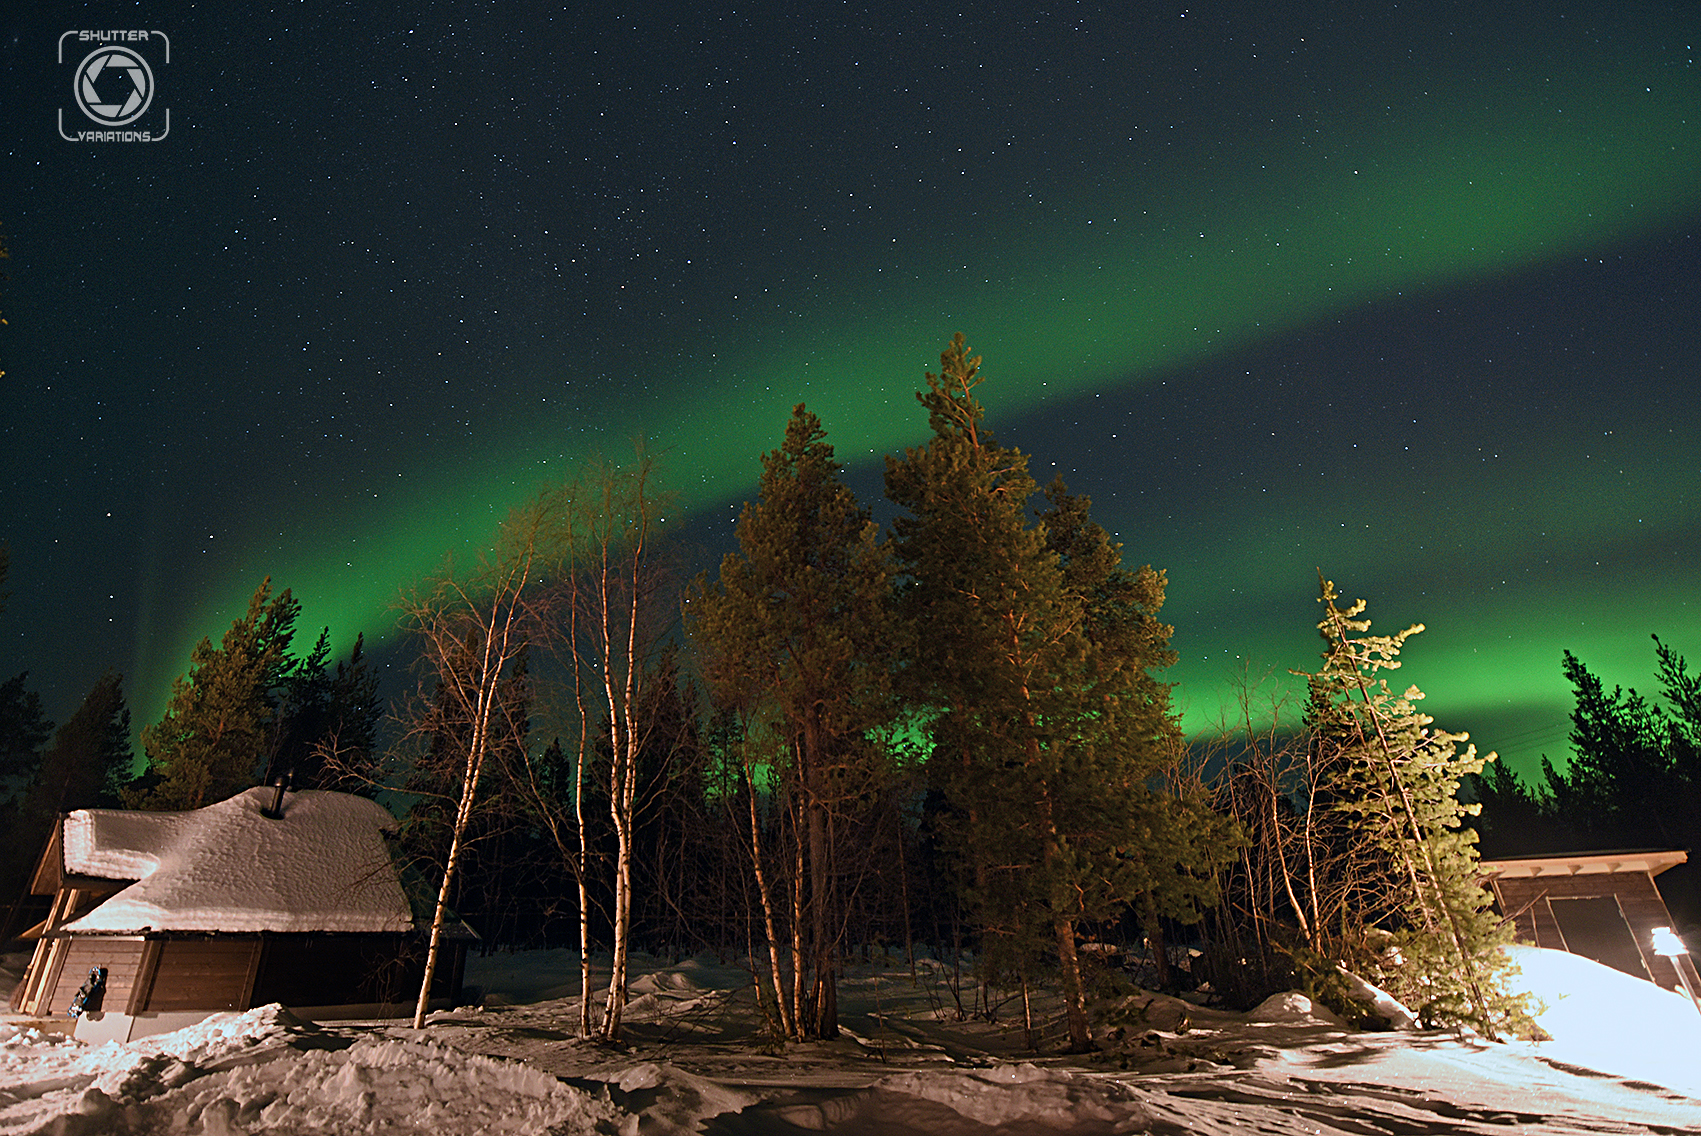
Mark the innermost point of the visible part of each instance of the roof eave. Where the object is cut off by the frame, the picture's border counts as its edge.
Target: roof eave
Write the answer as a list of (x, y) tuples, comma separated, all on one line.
[(1651, 861)]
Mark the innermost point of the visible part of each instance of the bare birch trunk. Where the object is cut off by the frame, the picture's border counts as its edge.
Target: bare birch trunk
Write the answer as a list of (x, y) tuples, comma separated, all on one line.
[(788, 1024), (469, 786), (1028, 1018), (799, 1000), (584, 871), (493, 657), (624, 735), (619, 776)]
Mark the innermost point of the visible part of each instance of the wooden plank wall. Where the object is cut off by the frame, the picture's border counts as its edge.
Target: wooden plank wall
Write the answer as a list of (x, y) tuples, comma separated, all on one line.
[(204, 974), (122, 958), (234, 972), (1638, 897), (332, 970), (35, 991)]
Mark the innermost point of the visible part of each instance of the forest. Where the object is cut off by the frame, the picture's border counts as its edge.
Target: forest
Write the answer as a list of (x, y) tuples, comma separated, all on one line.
[(953, 734)]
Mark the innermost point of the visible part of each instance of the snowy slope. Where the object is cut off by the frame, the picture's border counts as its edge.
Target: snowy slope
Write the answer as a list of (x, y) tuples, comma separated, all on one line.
[(696, 1062)]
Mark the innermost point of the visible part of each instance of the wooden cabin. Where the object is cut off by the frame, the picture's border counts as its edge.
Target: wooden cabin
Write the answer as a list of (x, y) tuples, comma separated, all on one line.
[(1602, 905), (265, 897)]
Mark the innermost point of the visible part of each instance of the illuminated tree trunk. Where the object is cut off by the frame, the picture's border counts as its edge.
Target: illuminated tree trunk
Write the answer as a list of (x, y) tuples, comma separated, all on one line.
[(795, 634), (782, 1000), (583, 874), (471, 634), (623, 584)]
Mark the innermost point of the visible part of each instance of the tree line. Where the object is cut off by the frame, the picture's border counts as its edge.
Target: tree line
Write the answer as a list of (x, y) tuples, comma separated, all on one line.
[(1633, 779), (953, 732)]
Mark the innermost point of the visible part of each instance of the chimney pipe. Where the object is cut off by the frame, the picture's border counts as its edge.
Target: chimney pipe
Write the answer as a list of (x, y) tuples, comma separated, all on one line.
[(275, 812)]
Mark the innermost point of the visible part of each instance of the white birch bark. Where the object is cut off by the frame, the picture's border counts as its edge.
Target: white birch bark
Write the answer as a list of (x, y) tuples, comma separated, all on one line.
[(482, 687)]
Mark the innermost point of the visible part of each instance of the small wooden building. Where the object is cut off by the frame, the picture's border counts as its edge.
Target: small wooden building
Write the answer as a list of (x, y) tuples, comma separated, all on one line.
[(1602, 905), (224, 908)]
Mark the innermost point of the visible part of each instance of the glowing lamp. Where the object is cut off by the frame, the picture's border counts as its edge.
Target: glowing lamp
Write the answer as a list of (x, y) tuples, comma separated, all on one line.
[(1667, 943)]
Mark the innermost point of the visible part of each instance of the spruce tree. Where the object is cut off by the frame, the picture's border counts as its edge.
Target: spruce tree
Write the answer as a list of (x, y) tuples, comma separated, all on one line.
[(213, 740), (24, 727), (1635, 772), (1398, 782), (326, 717), (88, 764), (301, 709), (796, 632), (1033, 654), (85, 767), (352, 715)]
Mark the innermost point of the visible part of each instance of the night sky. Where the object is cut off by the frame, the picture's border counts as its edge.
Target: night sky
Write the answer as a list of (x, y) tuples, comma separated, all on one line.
[(1408, 293)]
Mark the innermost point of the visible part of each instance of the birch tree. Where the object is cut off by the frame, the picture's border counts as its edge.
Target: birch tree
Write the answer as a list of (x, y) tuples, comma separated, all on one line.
[(621, 596), (470, 625), (598, 606)]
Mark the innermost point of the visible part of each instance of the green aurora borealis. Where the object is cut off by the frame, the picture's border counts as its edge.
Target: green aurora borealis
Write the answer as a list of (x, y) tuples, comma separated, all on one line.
[(1148, 273)]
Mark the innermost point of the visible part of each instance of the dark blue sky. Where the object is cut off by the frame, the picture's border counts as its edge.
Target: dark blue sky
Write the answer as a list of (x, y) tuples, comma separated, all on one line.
[(1405, 293)]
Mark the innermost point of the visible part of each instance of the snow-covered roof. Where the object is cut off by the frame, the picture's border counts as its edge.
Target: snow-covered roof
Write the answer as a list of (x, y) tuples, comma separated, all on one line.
[(322, 866), (1650, 860)]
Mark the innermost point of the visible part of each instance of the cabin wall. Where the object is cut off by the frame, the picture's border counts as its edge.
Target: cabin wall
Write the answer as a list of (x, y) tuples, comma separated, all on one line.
[(120, 955), (207, 974), (1526, 899), (43, 971), (157, 983)]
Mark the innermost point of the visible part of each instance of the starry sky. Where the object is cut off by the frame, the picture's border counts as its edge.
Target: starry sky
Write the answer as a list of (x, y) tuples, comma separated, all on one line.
[(1408, 293)]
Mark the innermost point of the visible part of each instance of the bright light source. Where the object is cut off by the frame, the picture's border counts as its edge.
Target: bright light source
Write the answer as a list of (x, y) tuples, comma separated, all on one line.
[(1667, 943)]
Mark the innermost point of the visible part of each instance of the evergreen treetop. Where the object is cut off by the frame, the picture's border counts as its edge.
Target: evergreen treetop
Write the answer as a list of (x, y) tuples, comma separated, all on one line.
[(1398, 780), (1032, 650), (213, 740)]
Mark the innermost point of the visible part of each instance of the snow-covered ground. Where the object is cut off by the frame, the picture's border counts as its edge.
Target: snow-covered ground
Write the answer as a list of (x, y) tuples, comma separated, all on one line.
[(1625, 1058)]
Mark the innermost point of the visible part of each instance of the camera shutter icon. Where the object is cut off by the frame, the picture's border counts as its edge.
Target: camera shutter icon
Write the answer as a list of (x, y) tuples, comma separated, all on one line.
[(134, 92)]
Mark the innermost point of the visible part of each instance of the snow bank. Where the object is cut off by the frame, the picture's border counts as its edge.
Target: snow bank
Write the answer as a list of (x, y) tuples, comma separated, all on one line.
[(1286, 1069), (1380, 1000), (1294, 1008), (263, 1071), (1601, 1018), (1021, 1096)]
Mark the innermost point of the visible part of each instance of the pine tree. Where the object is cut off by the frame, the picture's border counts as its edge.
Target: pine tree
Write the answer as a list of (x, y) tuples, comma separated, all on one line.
[(1176, 866), (24, 727), (88, 763), (85, 767), (301, 704), (1033, 654), (796, 632), (1398, 782), (213, 739)]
